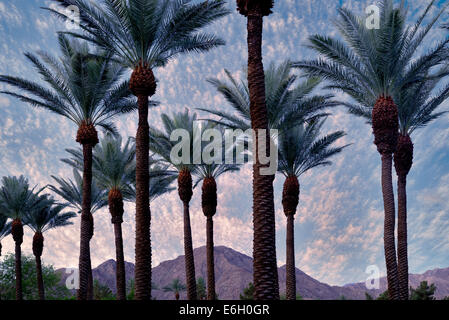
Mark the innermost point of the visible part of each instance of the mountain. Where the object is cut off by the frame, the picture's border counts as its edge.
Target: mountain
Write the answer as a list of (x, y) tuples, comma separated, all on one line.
[(233, 272)]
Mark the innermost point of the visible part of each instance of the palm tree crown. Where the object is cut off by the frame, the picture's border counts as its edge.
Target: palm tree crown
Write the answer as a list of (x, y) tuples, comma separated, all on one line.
[(72, 191), (82, 86), (48, 216), (288, 102), (301, 148), (147, 32)]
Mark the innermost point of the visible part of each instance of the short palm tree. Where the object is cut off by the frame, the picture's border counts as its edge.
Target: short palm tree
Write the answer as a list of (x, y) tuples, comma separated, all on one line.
[(161, 144), (300, 150), (144, 35), (372, 66), (209, 173), (264, 250), (84, 87), (72, 192), (176, 287), (16, 199), (114, 172), (5, 228), (48, 215)]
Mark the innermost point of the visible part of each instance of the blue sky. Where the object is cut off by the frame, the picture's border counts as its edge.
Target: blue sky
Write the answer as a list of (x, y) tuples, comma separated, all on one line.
[(339, 223)]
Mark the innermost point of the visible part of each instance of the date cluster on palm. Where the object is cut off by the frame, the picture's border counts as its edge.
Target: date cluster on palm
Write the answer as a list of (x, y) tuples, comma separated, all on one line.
[(38, 244), (403, 157), (17, 231), (290, 195), (115, 200), (245, 7), (87, 134), (385, 125), (142, 82), (185, 185), (209, 197)]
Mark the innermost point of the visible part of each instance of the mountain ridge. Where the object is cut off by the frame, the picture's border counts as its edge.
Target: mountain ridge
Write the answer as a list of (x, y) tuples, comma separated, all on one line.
[(233, 272)]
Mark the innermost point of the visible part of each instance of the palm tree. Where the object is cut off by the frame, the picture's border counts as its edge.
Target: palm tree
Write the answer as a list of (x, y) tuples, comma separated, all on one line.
[(85, 88), (372, 66), (208, 173), (16, 199), (144, 35), (176, 287), (114, 172), (162, 145), (72, 192), (5, 228), (264, 250), (48, 215), (300, 150)]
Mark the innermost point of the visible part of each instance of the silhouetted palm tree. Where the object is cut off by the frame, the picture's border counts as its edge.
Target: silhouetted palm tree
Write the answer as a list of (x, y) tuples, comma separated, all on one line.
[(176, 287), (114, 172), (161, 144), (209, 173), (84, 87), (300, 150), (48, 215), (16, 199), (144, 35), (371, 66), (72, 192)]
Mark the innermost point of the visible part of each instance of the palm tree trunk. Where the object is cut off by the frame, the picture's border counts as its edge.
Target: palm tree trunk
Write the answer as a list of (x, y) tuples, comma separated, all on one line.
[(189, 258), (120, 271), (389, 226), (264, 244), (19, 295), (210, 259), (17, 234), (85, 269), (40, 280), (402, 238), (290, 266), (143, 236)]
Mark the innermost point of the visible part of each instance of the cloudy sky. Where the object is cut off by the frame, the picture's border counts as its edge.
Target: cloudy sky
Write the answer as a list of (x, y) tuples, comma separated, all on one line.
[(339, 224)]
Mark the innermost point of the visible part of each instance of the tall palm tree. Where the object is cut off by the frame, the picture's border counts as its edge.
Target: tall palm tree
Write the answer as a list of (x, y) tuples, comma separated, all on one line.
[(114, 172), (16, 199), (5, 228), (84, 87), (300, 150), (48, 215), (72, 192), (161, 144), (144, 35), (208, 174), (372, 66), (176, 287), (264, 245)]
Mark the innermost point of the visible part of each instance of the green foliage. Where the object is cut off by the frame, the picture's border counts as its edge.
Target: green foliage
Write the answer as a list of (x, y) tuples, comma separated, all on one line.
[(54, 290), (201, 288), (383, 296), (176, 286), (368, 296), (423, 292), (131, 290), (248, 292), (102, 292), (298, 297)]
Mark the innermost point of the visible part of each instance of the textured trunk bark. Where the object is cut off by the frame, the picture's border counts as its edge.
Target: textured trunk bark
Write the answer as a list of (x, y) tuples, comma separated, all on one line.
[(18, 253), (85, 269), (210, 259), (120, 271), (189, 259), (402, 238), (143, 218), (389, 226), (290, 266), (264, 245), (40, 280)]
